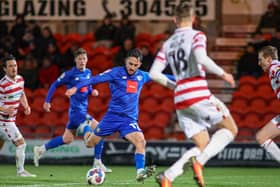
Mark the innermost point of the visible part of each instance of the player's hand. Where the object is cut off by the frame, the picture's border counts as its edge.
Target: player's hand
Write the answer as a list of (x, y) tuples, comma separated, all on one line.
[(27, 110), (71, 91), (10, 111), (94, 92), (47, 106), (229, 78)]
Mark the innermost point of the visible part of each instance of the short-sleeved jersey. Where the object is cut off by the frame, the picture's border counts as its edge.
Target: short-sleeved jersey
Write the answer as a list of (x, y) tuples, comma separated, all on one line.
[(79, 101), (274, 75), (178, 51), (10, 94), (124, 88)]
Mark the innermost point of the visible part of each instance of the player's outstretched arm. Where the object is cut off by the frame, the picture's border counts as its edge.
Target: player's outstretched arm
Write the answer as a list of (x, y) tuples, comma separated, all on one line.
[(24, 103), (229, 78), (157, 75), (47, 106), (202, 58)]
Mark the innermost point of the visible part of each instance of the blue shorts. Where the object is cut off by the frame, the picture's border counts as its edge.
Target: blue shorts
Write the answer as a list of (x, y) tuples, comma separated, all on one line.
[(113, 122), (77, 118)]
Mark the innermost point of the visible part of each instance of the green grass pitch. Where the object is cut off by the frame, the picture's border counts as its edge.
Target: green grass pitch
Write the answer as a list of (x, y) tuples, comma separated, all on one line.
[(124, 176)]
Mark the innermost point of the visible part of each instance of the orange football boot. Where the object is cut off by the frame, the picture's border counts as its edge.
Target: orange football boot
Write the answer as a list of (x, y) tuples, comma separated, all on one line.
[(162, 180), (198, 172)]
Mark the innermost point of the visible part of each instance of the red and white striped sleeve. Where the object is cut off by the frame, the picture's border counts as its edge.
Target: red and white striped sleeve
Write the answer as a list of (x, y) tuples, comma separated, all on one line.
[(199, 41), (200, 54), (157, 68), (160, 58)]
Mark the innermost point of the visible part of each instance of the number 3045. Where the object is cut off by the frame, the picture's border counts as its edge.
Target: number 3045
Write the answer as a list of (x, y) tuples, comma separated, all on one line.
[(160, 7)]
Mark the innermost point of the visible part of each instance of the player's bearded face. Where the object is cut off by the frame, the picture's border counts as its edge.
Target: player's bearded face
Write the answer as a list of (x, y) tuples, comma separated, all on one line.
[(81, 61), (11, 68), (132, 64)]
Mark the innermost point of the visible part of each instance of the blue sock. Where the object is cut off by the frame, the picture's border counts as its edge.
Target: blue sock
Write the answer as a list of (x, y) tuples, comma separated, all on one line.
[(98, 149), (139, 161), (55, 142), (86, 129)]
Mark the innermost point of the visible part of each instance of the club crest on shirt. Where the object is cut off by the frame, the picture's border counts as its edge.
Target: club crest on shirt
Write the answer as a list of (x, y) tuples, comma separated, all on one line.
[(139, 77), (98, 129), (77, 78)]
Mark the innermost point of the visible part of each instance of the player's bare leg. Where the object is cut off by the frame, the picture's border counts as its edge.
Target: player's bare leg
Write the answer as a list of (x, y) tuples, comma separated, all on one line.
[(1, 143), (219, 140), (264, 138)]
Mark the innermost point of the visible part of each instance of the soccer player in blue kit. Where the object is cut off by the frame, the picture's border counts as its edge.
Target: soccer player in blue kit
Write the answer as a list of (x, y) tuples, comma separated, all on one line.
[(122, 114), (78, 115)]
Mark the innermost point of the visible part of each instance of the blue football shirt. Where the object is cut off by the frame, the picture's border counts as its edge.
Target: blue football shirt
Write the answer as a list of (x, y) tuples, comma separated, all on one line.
[(79, 101)]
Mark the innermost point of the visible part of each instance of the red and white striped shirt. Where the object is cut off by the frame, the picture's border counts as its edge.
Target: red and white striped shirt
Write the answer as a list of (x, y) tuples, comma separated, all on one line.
[(10, 94), (274, 75), (178, 51)]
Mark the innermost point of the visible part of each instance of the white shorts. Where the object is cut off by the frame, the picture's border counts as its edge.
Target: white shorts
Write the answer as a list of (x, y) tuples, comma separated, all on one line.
[(9, 131), (202, 115), (276, 121)]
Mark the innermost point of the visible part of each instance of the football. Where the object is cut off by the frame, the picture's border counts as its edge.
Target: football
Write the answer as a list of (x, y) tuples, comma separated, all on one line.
[(95, 176)]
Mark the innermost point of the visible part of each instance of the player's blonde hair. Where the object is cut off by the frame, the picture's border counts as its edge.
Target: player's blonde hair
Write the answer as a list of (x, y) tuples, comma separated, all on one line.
[(269, 51), (184, 13)]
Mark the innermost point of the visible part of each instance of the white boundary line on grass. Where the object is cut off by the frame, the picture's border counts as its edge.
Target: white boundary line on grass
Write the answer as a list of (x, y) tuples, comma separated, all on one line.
[(43, 185)]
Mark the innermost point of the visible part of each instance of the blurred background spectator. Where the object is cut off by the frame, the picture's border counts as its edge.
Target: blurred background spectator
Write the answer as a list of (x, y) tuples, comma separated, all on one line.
[(48, 72), (18, 29), (127, 45), (105, 34), (248, 63), (269, 20), (67, 61), (29, 72), (125, 30), (148, 58)]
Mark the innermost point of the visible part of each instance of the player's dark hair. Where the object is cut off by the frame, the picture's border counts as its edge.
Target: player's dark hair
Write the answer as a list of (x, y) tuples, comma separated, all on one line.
[(269, 51), (183, 11), (79, 51), (135, 53), (6, 59)]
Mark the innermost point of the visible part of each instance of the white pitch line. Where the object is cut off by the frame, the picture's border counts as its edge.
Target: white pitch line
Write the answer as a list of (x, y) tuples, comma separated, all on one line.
[(46, 185)]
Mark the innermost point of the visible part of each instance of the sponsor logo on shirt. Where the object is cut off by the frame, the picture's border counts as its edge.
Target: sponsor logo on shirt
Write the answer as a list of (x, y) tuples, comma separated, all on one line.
[(131, 86), (124, 77), (77, 78), (10, 97), (84, 89)]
